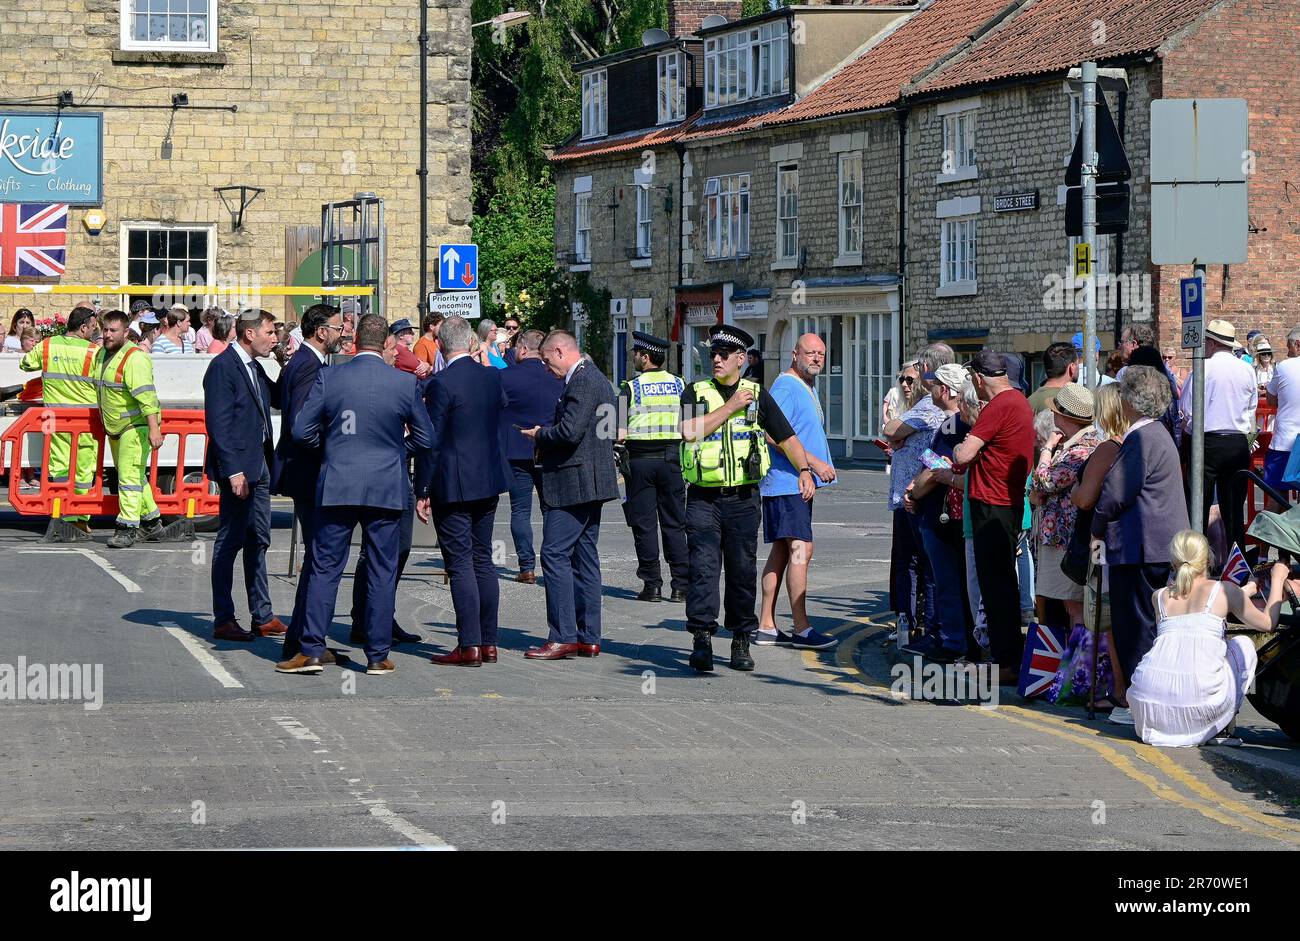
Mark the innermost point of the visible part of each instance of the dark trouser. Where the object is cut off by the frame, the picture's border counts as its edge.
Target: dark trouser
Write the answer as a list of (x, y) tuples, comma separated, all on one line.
[(945, 551), (1132, 611), (360, 578), (465, 538), (245, 526), (571, 567), (526, 477), (1225, 454), (996, 530), (304, 511), (722, 533), (656, 493), (331, 545), (909, 573)]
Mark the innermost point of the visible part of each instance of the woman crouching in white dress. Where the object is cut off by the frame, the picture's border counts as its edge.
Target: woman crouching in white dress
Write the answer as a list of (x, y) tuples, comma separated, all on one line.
[(1189, 686)]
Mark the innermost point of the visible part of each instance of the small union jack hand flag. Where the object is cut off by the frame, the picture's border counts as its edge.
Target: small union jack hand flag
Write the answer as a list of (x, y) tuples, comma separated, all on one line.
[(1237, 570)]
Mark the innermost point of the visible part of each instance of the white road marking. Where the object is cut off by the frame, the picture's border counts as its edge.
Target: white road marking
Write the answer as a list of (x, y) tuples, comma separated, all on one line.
[(95, 557), (377, 806), (203, 655)]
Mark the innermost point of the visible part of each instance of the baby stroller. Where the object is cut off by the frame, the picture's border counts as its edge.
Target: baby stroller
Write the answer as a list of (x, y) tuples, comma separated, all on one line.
[(1276, 693)]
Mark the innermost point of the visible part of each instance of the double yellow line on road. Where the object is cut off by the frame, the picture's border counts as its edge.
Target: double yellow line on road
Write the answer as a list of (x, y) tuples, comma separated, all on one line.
[(846, 674)]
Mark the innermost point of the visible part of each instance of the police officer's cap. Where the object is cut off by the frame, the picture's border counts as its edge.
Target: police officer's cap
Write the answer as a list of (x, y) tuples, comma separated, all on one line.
[(648, 343), (729, 338)]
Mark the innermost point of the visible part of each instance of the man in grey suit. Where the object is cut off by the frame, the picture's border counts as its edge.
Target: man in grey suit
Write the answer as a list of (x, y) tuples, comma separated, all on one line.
[(576, 453)]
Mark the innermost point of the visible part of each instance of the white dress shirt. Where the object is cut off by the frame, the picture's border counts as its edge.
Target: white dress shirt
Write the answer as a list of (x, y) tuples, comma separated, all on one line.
[(572, 369), (1285, 384), (1231, 395)]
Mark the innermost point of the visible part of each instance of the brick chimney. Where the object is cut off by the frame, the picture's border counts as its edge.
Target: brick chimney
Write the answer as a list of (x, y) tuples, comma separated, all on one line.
[(685, 16)]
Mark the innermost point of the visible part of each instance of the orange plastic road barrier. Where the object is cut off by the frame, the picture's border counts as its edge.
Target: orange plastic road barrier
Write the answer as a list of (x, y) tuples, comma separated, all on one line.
[(188, 499)]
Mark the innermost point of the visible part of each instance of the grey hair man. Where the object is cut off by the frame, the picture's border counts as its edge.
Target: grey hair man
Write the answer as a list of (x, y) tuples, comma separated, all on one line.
[(931, 358), (455, 336)]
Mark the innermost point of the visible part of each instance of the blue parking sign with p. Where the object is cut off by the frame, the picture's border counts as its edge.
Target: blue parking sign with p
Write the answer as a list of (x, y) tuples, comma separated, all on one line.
[(457, 267), (1193, 295)]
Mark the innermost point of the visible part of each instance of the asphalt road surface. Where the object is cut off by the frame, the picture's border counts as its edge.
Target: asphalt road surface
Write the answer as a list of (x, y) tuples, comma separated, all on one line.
[(202, 744)]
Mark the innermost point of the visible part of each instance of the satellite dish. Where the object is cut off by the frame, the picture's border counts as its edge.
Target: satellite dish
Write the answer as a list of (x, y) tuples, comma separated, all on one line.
[(712, 20), (652, 37)]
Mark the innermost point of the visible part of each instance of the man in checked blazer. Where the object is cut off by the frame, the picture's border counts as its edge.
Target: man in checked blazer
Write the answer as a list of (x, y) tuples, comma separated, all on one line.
[(576, 454)]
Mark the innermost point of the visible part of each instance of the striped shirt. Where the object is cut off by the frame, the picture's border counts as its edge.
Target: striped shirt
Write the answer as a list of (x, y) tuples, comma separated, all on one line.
[(162, 345)]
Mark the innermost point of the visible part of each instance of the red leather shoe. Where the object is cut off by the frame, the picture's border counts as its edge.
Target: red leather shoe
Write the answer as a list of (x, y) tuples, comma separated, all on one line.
[(488, 653), (231, 630), (460, 657), (271, 628), (551, 651), (587, 650)]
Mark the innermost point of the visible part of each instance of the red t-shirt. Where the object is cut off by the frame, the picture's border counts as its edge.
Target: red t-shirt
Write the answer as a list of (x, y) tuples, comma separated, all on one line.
[(406, 360), (999, 471)]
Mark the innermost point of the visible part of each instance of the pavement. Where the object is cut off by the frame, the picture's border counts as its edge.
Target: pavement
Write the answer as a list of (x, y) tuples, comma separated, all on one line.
[(200, 744)]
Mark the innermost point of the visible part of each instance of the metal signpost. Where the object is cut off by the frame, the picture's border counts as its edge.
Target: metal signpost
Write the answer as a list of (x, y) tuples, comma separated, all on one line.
[(1098, 159), (1199, 155)]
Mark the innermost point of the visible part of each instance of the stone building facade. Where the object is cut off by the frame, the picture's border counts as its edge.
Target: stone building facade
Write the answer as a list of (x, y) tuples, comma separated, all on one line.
[(958, 117), (327, 96), (1024, 296)]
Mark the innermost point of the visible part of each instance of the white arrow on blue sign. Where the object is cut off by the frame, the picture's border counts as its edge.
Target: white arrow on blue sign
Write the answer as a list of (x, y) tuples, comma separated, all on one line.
[(458, 267)]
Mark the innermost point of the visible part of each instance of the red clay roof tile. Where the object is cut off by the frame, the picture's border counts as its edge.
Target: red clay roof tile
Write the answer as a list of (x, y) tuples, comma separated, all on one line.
[(1053, 35)]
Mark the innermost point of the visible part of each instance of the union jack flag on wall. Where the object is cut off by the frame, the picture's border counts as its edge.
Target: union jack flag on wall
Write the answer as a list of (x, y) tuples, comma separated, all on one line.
[(33, 240)]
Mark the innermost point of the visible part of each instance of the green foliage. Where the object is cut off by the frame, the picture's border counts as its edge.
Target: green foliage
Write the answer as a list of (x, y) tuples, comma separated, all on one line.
[(516, 237), (600, 328), (526, 95)]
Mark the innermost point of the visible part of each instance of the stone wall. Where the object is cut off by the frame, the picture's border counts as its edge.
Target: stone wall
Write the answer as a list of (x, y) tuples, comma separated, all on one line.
[(1023, 137), (328, 105)]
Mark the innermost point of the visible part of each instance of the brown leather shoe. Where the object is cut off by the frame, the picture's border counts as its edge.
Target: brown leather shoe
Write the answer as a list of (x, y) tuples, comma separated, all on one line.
[(551, 651), (586, 650), (299, 664), (271, 628), (528, 578), (327, 657), (488, 653), (460, 657), (232, 631), (380, 668)]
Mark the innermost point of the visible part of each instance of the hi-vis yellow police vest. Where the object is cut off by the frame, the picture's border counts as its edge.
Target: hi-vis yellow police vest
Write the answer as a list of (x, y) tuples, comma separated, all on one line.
[(656, 406), (722, 459), (65, 364), (127, 396)]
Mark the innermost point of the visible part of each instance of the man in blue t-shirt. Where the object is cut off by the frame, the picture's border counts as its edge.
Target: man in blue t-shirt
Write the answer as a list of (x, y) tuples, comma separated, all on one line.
[(787, 517)]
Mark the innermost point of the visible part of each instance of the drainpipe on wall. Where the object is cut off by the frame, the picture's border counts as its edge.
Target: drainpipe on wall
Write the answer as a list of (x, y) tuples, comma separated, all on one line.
[(902, 115), (681, 234), (1119, 237)]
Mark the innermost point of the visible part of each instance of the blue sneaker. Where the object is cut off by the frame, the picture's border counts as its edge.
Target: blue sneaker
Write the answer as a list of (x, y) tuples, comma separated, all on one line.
[(779, 638), (811, 641)]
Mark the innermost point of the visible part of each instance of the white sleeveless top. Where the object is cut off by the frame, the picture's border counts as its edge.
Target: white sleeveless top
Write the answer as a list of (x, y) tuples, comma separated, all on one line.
[(1192, 681)]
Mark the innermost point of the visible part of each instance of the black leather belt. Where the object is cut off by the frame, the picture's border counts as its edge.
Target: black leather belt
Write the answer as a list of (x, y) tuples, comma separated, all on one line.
[(743, 490)]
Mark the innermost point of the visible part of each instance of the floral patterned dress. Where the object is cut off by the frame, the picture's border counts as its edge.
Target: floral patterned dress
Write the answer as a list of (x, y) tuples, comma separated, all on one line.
[(1055, 481)]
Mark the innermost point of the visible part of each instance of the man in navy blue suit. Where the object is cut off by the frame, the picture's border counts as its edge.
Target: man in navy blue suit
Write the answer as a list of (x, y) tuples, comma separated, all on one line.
[(464, 475), (237, 401), (297, 468), (531, 396), (359, 413)]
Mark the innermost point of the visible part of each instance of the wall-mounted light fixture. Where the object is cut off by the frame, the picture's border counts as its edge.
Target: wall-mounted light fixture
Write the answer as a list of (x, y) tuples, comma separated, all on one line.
[(236, 208)]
